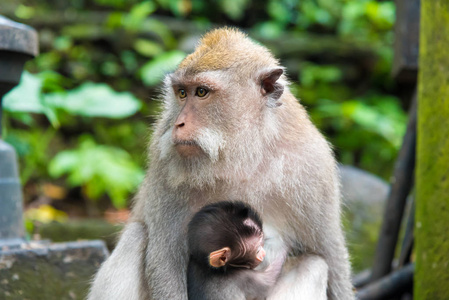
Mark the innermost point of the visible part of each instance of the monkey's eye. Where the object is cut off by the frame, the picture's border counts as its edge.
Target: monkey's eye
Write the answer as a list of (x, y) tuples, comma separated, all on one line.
[(182, 93), (201, 92)]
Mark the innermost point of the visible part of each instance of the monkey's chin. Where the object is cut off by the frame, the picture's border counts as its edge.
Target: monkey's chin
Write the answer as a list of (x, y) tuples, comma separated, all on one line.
[(189, 151)]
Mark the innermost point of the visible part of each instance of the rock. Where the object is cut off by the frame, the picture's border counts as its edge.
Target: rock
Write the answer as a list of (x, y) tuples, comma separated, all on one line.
[(49, 271), (364, 196), (89, 229), (361, 186)]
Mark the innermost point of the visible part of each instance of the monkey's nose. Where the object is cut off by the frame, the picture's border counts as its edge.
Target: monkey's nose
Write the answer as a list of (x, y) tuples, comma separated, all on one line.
[(260, 256), (179, 124)]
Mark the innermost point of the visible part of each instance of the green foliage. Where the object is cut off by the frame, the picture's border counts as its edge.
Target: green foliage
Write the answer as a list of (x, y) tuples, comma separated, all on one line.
[(312, 74), (26, 96), (95, 100), (362, 225), (342, 66), (88, 100), (367, 19), (147, 48), (368, 130), (32, 145), (234, 8), (99, 170), (153, 71), (91, 100), (45, 214), (24, 12), (383, 117), (139, 12)]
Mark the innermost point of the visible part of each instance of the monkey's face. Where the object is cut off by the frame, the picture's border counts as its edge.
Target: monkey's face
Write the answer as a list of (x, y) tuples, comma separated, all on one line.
[(215, 108), (249, 254), (194, 132), (255, 251), (209, 112)]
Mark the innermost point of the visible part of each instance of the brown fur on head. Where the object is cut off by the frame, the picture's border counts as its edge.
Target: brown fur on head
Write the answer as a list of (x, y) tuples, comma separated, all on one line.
[(227, 48)]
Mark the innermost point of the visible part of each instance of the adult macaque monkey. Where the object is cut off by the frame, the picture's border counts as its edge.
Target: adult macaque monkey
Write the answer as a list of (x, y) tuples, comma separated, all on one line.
[(231, 129)]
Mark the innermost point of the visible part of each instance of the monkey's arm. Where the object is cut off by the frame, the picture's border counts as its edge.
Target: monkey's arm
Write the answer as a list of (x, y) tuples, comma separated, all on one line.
[(258, 283), (166, 253), (319, 274), (121, 275), (195, 282), (304, 277), (205, 286)]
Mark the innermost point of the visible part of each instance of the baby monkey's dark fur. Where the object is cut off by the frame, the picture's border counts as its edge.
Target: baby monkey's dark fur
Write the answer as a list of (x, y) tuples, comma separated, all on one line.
[(225, 244)]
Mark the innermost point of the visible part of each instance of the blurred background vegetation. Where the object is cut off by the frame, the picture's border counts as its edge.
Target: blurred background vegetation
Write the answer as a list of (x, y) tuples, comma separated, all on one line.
[(80, 117)]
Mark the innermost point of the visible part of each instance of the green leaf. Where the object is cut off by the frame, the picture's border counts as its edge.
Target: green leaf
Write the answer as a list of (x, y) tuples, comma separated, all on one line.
[(139, 12), (24, 12), (90, 99), (147, 48), (381, 14), (129, 59), (142, 10), (83, 31), (157, 27), (64, 162), (180, 8), (280, 12), (115, 19), (53, 82), (311, 74), (99, 170), (112, 3), (26, 96), (153, 71), (95, 100), (234, 8), (269, 29), (63, 43)]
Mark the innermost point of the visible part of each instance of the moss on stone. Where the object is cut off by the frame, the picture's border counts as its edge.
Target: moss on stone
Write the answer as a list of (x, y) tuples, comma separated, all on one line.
[(81, 230), (50, 272)]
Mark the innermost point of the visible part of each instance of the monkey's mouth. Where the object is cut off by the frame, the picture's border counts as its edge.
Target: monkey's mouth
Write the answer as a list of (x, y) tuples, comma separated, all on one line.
[(187, 148), (247, 266), (185, 143)]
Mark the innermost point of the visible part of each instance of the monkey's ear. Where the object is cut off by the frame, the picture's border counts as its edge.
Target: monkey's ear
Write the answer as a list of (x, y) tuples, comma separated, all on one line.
[(220, 257), (271, 87)]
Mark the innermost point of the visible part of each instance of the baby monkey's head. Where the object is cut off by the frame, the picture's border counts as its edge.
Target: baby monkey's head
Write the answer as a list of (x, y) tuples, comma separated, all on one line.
[(227, 234)]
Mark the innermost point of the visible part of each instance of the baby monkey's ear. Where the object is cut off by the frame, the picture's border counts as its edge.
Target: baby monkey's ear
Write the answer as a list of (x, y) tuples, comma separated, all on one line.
[(220, 257)]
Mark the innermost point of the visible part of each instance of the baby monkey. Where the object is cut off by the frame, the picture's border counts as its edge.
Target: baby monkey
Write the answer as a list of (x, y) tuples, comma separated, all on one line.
[(226, 242)]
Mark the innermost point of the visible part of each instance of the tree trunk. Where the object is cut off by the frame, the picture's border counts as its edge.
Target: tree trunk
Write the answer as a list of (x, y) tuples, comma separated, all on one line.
[(432, 173)]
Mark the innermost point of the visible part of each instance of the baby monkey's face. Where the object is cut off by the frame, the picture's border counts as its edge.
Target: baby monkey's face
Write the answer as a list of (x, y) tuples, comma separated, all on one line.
[(254, 253), (248, 253)]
